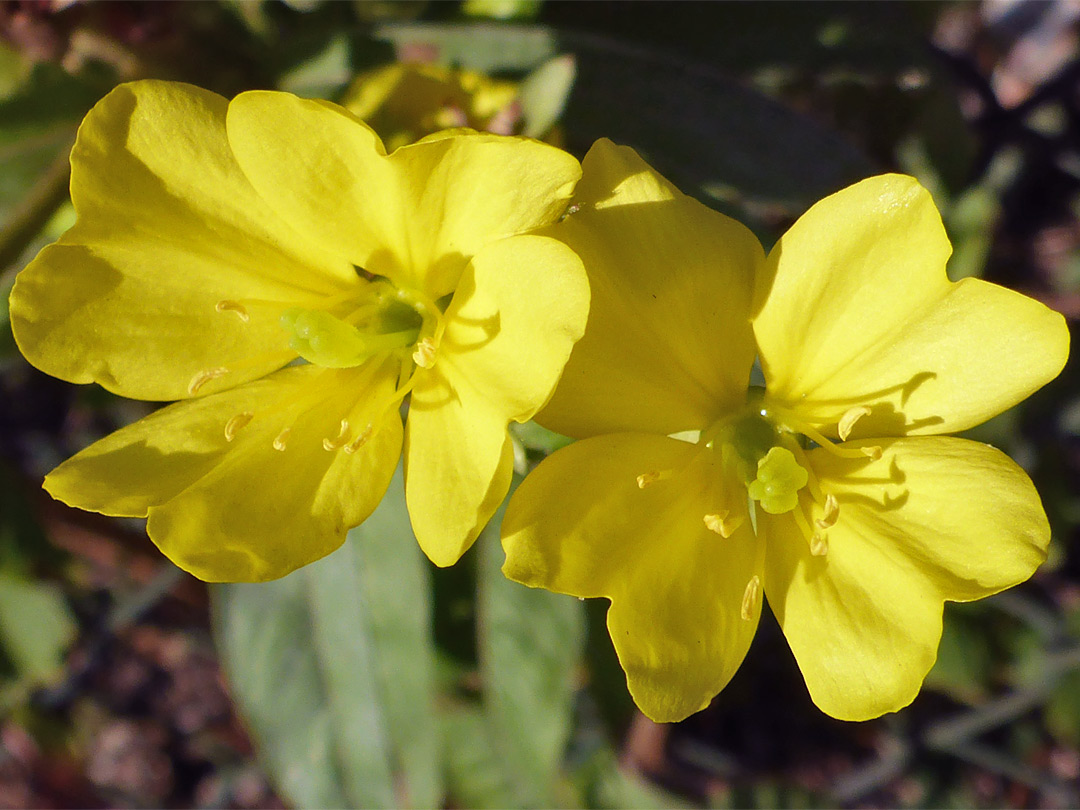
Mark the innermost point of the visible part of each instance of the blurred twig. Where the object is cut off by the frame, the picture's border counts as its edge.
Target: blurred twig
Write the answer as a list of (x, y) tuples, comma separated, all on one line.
[(956, 735)]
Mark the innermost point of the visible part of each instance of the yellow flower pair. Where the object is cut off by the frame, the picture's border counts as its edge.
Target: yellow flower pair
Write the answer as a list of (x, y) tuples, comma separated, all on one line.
[(265, 262)]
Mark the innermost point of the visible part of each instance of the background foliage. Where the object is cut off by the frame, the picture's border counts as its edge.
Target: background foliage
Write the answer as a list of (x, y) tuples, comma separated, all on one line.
[(373, 679)]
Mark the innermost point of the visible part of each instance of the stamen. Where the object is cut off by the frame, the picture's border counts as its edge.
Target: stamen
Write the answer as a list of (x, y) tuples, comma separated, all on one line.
[(359, 441), (750, 598), (203, 377), (424, 355), (832, 512), (819, 545), (233, 426), (794, 423), (233, 306), (341, 440), (281, 439), (722, 523), (848, 420), (649, 478)]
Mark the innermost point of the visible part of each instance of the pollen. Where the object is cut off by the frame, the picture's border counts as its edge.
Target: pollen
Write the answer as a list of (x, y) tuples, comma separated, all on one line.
[(281, 440), (832, 512), (233, 306), (723, 524), (359, 441), (424, 354), (236, 423), (750, 598), (848, 420), (203, 377), (649, 478), (340, 440)]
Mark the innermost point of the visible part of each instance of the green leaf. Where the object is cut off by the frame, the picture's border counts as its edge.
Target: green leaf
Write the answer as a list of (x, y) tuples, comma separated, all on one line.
[(538, 438), (36, 626), (333, 668), (963, 665), (7, 340), (529, 643), (1062, 710), (475, 771), (323, 75), (487, 47), (711, 136), (503, 9), (544, 93), (604, 784)]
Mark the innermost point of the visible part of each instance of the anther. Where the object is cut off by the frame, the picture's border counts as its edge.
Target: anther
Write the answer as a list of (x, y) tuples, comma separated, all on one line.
[(341, 440), (722, 523), (203, 377), (819, 545), (649, 478), (359, 441), (424, 355), (233, 306), (873, 452), (750, 598), (233, 426), (832, 512), (848, 420), (281, 439)]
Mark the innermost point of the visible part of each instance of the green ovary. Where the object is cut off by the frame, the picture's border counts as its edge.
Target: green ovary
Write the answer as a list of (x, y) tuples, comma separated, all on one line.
[(325, 340), (770, 471)]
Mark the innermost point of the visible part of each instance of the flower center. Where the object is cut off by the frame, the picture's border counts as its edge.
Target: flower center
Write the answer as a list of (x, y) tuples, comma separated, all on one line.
[(381, 319), (765, 448), (373, 320)]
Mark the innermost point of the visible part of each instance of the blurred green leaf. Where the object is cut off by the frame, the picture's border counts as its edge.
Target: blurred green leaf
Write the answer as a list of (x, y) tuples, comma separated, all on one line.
[(964, 660), (14, 69), (503, 9), (538, 438), (332, 667), (323, 75), (543, 95), (604, 784), (487, 47), (7, 340), (1062, 710), (396, 582), (475, 770), (530, 642), (36, 626), (37, 128), (711, 136)]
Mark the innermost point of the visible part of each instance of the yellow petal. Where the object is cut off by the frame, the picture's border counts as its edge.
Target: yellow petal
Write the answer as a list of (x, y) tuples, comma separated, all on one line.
[(458, 465), (860, 313), (245, 510), (416, 216), (168, 227), (581, 524), (668, 346), (519, 310), (935, 519)]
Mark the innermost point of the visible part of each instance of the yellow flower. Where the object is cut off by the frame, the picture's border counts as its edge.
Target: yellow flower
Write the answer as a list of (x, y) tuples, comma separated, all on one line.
[(217, 242), (404, 101), (829, 491)]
